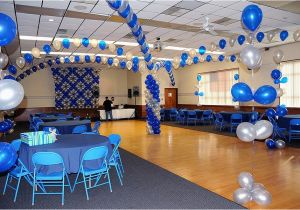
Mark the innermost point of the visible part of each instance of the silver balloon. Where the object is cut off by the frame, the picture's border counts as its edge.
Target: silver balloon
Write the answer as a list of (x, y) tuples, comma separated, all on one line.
[(270, 35), (213, 46), (3, 60), (264, 129), (251, 57), (246, 132), (20, 61), (250, 38), (257, 186), (278, 56), (279, 92), (246, 180), (296, 35), (261, 197), (242, 196), (11, 94), (280, 144), (232, 41)]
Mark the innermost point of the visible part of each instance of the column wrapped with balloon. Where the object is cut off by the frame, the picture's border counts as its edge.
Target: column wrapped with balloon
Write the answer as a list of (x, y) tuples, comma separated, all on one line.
[(168, 66), (152, 104)]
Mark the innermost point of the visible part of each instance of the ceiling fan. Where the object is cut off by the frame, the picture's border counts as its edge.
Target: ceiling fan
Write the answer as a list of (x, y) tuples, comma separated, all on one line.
[(210, 28)]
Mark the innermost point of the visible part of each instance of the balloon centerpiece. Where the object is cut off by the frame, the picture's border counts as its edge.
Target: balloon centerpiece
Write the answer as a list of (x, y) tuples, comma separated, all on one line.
[(198, 92)]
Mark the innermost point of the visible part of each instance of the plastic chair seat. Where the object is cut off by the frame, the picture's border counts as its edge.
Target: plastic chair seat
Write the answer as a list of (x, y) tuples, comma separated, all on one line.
[(50, 176), (295, 131), (89, 171), (17, 172)]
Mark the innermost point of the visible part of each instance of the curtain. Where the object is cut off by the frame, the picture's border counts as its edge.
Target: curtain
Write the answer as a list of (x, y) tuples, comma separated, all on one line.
[(217, 86), (291, 96)]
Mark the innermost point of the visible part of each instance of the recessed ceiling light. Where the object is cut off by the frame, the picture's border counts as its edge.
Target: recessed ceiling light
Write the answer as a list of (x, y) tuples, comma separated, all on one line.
[(51, 19)]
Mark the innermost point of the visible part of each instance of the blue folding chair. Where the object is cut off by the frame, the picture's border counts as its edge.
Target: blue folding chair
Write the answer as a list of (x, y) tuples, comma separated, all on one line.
[(88, 175), (162, 114), (294, 129), (77, 118), (43, 160), (277, 131), (36, 123), (96, 127), (219, 121), (17, 172), (79, 129), (191, 117), (115, 159), (235, 120), (47, 129), (181, 117), (206, 116), (173, 114), (253, 117)]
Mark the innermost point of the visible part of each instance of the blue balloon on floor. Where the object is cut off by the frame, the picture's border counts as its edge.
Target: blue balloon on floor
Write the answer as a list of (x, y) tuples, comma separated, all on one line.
[(8, 29), (265, 94), (8, 156), (284, 35), (241, 92), (276, 74), (270, 112), (270, 143), (252, 17), (260, 36), (241, 39)]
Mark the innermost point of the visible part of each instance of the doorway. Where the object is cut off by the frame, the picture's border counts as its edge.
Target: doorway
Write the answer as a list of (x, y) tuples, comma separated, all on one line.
[(171, 97)]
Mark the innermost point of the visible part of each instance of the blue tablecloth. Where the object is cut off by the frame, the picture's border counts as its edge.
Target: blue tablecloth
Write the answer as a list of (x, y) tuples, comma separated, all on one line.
[(227, 116), (71, 147), (66, 127), (50, 113), (52, 118), (284, 122)]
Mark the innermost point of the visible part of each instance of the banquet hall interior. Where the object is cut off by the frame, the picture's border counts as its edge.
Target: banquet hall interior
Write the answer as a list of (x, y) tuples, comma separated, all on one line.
[(149, 104)]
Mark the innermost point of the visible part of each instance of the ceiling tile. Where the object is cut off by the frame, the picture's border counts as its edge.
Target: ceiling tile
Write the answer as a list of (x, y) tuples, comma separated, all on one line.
[(189, 5), (223, 3), (164, 18), (147, 15), (208, 9), (158, 8), (102, 8), (35, 3), (80, 7), (226, 12), (56, 4), (181, 20)]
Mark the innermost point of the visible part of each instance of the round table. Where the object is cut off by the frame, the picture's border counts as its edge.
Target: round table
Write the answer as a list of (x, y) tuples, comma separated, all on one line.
[(66, 127), (55, 118), (284, 122), (71, 147)]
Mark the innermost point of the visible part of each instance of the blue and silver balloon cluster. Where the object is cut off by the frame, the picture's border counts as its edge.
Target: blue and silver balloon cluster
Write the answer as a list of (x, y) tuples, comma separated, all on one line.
[(7, 126), (152, 104), (276, 73), (280, 111), (275, 144), (126, 12)]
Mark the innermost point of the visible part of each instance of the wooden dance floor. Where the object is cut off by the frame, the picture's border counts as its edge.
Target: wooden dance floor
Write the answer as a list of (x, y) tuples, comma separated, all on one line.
[(214, 161)]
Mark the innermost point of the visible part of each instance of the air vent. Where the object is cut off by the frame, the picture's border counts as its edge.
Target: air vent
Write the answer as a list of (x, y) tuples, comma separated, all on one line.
[(189, 5), (225, 21), (175, 11), (171, 40)]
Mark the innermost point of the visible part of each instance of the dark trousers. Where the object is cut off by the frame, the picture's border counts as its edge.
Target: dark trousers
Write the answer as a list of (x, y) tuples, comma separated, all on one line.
[(108, 113)]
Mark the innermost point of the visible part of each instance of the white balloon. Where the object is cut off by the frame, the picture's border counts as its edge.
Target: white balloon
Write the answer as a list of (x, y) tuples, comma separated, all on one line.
[(20, 61), (11, 94), (192, 53), (104, 60), (242, 196), (251, 57), (232, 41), (176, 60), (94, 43), (213, 46), (72, 59), (3, 60), (262, 197), (36, 52), (129, 65), (62, 60), (270, 35), (112, 47), (278, 56), (246, 132), (296, 35), (246, 180), (264, 129), (129, 56), (77, 42), (279, 92), (82, 58), (116, 61), (92, 58), (56, 45)]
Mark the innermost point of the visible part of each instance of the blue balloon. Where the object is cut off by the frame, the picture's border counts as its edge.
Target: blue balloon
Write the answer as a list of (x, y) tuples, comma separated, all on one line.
[(284, 35), (276, 81), (265, 94), (67, 60), (195, 60), (182, 63), (184, 56), (22, 76), (202, 50), (47, 48), (270, 143), (9, 77), (120, 51), (85, 42), (241, 92), (133, 21), (77, 58), (199, 77), (34, 68), (276, 74), (252, 17), (201, 94), (102, 45), (115, 5), (12, 69), (270, 112), (28, 72), (208, 58), (241, 39), (232, 58), (236, 76), (110, 61), (222, 43), (135, 60), (221, 58), (281, 110), (196, 93), (87, 58), (150, 66), (28, 58), (98, 59), (8, 156), (41, 65), (168, 66), (260, 36), (123, 64), (284, 80), (125, 12), (66, 43), (49, 62), (8, 29), (135, 68)]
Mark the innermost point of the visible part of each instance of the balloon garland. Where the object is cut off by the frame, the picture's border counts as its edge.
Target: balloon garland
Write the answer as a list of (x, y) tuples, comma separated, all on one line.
[(152, 104)]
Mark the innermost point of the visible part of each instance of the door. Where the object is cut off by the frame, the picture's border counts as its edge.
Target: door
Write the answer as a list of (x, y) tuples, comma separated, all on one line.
[(170, 97)]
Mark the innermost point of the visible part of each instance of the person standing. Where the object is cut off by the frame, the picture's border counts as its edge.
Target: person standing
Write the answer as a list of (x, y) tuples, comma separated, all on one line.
[(108, 108)]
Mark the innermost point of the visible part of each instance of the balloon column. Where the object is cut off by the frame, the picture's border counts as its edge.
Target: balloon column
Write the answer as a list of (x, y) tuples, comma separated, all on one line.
[(168, 67), (251, 191), (198, 92), (152, 104)]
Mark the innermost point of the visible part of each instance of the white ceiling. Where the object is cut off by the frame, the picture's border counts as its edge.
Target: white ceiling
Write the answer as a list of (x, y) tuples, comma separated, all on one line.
[(190, 12)]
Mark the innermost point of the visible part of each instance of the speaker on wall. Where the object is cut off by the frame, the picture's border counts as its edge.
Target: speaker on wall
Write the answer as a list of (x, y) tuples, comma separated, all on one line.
[(129, 93), (136, 91)]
